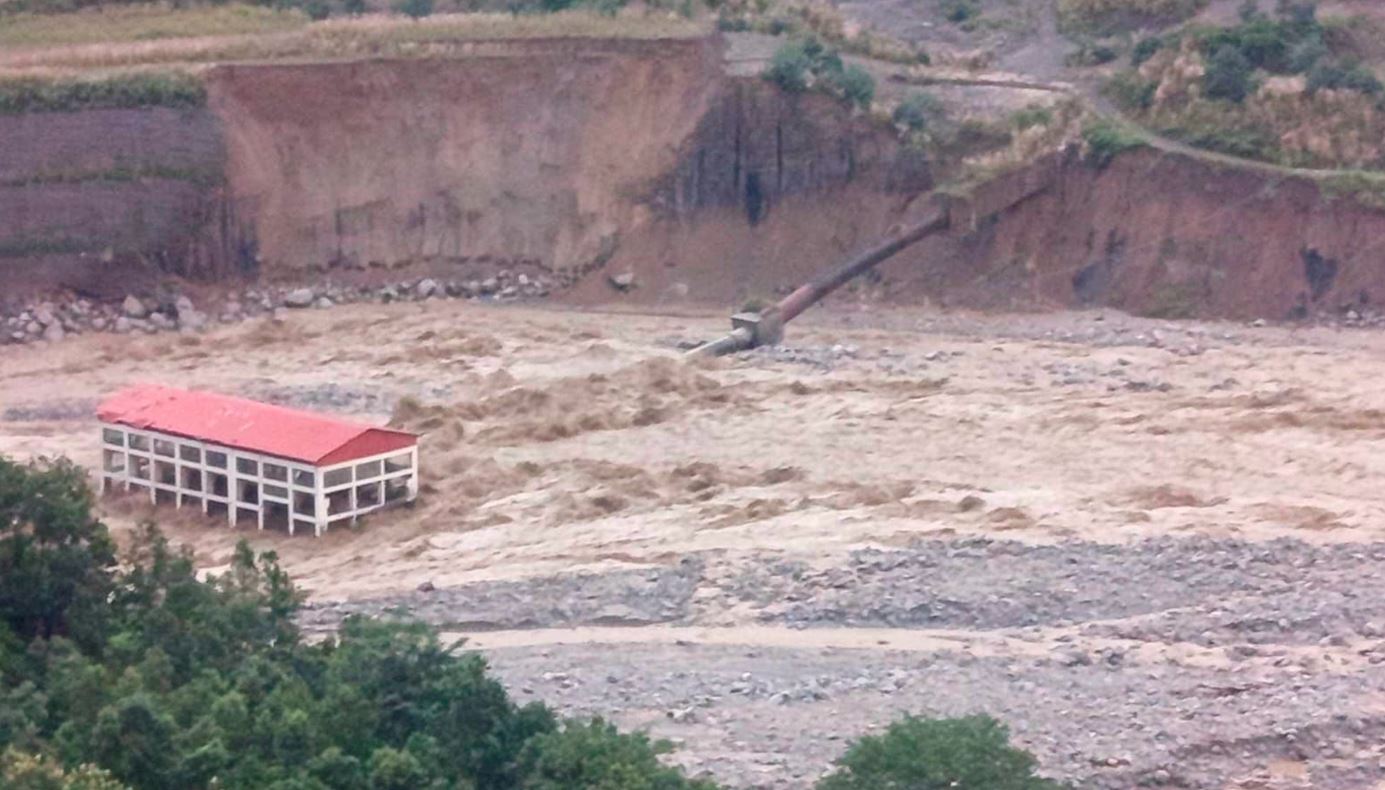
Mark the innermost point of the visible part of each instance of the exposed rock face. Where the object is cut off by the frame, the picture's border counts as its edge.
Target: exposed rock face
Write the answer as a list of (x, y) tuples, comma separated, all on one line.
[(89, 199), (532, 149), (1163, 235)]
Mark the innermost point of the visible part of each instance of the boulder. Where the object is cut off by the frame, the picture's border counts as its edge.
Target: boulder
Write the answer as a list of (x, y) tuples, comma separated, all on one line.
[(622, 281), (133, 307), (299, 297)]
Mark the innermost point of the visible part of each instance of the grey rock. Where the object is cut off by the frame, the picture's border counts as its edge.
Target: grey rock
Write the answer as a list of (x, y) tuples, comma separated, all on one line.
[(133, 307), (426, 287), (322, 303), (299, 298), (191, 320), (53, 333), (622, 281)]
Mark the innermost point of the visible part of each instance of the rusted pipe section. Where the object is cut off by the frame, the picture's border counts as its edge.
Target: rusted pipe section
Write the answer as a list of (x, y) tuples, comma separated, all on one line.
[(812, 292), (756, 329)]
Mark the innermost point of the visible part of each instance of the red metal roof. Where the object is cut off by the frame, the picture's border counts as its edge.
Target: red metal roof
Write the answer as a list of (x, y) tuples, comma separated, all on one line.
[(249, 425)]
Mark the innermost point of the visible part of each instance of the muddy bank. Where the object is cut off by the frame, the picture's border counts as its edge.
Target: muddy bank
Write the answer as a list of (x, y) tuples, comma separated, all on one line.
[(1166, 236)]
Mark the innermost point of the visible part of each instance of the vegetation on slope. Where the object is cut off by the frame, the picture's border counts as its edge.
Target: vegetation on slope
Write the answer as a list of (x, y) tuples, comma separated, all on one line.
[(120, 90), (143, 23), (1108, 16), (807, 64), (142, 675), (1283, 88)]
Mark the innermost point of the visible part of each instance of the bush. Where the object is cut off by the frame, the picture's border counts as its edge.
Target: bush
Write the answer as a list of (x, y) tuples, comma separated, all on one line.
[(959, 11), (1339, 76), (1105, 141), (1131, 92), (807, 63), (317, 10), (1145, 49), (126, 90), (1090, 53), (918, 111), (1030, 117), (593, 754), (415, 9), (1228, 75), (853, 85), (971, 753), (353, 7), (790, 67)]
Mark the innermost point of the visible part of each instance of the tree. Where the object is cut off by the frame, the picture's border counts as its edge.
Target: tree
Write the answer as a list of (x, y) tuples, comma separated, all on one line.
[(855, 86), (971, 753), (55, 557), (353, 7), (918, 111), (790, 67), (595, 755), (1228, 75)]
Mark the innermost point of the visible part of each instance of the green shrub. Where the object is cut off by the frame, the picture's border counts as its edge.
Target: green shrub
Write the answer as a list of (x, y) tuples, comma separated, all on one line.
[(959, 11), (1228, 76), (317, 10), (353, 7), (971, 753), (415, 9), (918, 111), (594, 754), (1130, 91), (1030, 117), (1091, 53), (853, 85), (807, 63), (126, 90), (790, 67), (1145, 49), (1106, 140), (1344, 76)]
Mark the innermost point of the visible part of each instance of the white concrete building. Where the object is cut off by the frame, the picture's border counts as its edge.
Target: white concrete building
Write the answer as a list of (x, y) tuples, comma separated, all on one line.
[(279, 468)]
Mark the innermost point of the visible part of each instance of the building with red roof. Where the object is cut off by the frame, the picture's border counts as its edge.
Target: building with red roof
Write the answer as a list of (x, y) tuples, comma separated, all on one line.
[(280, 467)]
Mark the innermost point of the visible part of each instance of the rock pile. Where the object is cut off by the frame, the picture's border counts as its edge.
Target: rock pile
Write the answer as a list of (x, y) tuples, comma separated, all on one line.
[(55, 319)]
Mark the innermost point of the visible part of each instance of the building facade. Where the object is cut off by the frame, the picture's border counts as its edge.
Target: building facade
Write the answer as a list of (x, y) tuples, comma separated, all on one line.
[(252, 462)]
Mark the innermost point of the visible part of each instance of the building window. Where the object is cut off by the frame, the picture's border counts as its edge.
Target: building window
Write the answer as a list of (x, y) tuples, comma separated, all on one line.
[(163, 447), (138, 442), (304, 478), (368, 470), (337, 477), (189, 453), (216, 459), (246, 466), (113, 436), (275, 472)]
